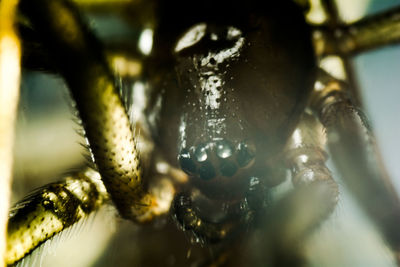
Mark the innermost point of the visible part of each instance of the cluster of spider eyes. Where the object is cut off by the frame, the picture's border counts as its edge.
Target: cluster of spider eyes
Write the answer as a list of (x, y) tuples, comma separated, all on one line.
[(210, 160)]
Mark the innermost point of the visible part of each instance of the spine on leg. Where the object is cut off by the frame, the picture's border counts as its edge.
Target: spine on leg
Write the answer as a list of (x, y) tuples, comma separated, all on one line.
[(50, 210)]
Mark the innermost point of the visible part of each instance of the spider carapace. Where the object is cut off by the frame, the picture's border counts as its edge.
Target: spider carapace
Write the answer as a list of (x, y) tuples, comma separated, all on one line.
[(242, 76)]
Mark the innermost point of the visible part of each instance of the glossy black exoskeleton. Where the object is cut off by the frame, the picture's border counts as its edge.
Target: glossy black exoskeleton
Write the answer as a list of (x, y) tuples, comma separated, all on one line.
[(243, 73)]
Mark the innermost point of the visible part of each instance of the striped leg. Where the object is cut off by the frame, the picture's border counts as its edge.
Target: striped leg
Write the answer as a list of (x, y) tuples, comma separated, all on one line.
[(52, 209), (78, 55)]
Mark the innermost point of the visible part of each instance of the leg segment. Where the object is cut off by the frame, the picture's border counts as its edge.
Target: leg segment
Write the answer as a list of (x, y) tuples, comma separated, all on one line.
[(357, 157), (369, 33), (306, 156), (306, 159), (9, 93), (51, 210), (58, 206), (315, 194), (78, 56)]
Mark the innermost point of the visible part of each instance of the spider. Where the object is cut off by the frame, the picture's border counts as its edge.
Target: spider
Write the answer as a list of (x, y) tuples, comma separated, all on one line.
[(235, 100)]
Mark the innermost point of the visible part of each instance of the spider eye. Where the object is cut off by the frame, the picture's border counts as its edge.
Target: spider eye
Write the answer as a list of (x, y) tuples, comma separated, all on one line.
[(245, 154), (201, 153), (207, 171), (186, 162), (216, 158), (224, 149)]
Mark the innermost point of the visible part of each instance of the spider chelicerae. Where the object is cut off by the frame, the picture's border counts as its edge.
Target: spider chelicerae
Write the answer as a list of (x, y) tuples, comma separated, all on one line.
[(230, 103)]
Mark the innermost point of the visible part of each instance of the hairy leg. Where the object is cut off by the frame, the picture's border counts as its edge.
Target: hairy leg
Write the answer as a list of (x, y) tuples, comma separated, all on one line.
[(79, 57), (356, 155), (50, 210)]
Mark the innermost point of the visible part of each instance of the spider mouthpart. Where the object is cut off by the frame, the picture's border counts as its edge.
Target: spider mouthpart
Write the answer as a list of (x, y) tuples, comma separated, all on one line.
[(216, 158)]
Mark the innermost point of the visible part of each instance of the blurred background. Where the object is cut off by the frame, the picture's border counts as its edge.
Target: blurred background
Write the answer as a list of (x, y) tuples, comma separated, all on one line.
[(47, 146)]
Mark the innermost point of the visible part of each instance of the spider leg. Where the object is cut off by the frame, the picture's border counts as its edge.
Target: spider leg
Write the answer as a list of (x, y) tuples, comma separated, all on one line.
[(36, 57), (355, 153), (368, 33), (9, 94), (78, 56), (57, 206), (50, 210), (283, 230)]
